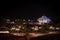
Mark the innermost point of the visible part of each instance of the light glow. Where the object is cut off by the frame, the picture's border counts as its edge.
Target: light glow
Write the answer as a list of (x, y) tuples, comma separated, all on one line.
[(43, 20)]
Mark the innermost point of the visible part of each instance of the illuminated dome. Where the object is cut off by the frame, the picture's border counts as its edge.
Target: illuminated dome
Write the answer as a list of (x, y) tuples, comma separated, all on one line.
[(43, 19)]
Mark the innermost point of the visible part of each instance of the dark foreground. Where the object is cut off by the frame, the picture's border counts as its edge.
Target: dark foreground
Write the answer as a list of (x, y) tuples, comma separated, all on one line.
[(46, 37)]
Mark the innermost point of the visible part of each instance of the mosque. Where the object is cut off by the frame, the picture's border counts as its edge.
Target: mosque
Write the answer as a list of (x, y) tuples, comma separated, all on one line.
[(42, 20)]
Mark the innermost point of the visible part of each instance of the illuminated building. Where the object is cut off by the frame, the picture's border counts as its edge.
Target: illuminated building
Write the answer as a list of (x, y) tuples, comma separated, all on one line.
[(43, 20)]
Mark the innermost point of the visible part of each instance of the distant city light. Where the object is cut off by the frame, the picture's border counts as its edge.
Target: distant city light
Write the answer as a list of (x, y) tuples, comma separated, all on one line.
[(24, 23), (7, 19), (13, 28), (23, 27), (57, 28), (32, 28), (17, 29), (43, 20), (12, 22), (42, 24), (36, 28), (28, 19), (19, 26), (40, 27), (15, 19), (23, 19), (4, 31), (51, 27)]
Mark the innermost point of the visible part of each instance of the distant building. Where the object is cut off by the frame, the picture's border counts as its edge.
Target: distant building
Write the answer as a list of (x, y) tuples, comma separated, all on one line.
[(43, 20)]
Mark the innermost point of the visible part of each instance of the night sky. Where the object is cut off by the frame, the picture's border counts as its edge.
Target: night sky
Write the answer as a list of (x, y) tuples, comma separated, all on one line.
[(31, 9)]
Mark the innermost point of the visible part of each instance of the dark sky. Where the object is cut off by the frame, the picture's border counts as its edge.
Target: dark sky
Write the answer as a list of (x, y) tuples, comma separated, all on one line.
[(31, 9)]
